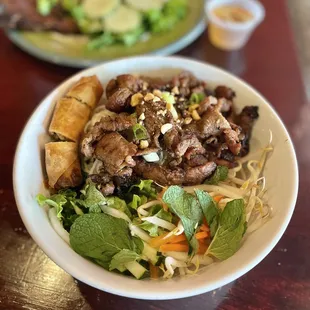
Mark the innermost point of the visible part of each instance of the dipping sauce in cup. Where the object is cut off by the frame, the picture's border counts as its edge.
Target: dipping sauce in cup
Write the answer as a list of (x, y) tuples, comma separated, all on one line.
[(234, 14), (231, 22)]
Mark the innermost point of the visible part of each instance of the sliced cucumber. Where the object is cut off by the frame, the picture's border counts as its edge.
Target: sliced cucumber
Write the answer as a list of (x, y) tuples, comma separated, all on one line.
[(122, 20), (150, 253), (136, 269), (99, 8), (146, 5)]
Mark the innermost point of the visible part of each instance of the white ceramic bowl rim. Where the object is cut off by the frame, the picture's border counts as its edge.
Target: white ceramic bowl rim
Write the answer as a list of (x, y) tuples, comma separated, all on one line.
[(160, 292)]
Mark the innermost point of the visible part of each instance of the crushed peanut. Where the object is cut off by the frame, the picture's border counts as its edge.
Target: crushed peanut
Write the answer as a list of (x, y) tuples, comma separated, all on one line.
[(142, 117), (136, 99), (143, 144), (166, 127), (157, 93), (148, 97), (172, 110), (193, 107), (175, 90), (156, 99), (195, 115), (212, 100), (187, 120), (145, 85), (161, 112)]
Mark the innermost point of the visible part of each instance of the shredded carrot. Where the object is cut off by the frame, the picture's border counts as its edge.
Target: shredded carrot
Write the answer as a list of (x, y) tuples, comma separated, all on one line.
[(182, 237), (202, 235), (177, 239), (158, 241), (182, 247), (204, 227), (160, 197), (202, 247), (154, 271), (165, 207), (175, 247), (218, 198)]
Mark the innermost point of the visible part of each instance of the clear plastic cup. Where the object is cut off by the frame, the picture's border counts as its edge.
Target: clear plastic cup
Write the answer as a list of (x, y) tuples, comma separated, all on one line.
[(228, 35)]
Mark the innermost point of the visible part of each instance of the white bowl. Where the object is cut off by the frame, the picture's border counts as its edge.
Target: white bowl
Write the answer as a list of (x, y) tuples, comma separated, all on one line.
[(281, 172)]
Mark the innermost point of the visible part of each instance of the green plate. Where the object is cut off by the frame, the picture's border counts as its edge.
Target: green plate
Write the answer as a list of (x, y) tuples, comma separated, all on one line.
[(56, 48)]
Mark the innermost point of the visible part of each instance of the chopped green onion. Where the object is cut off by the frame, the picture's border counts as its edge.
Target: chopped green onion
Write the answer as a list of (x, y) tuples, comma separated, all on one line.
[(140, 132), (196, 98), (168, 97)]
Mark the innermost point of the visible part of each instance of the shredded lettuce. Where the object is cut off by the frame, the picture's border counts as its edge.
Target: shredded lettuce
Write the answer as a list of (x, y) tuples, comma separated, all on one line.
[(56, 201), (65, 205), (118, 204), (176, 7), (104, 39), (165, 19), (153, 229), (144, 188), (137, 201)]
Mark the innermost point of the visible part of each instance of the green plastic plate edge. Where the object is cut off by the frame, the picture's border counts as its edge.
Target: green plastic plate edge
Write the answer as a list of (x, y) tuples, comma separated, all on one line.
[(183, 34)]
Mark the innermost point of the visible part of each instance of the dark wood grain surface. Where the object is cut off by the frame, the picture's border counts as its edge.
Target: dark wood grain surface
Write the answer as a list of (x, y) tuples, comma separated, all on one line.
[(30, 280)]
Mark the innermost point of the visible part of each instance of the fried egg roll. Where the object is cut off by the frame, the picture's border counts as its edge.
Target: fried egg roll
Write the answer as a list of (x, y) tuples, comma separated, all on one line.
[(87, 90), (69, 119), (62, 164)]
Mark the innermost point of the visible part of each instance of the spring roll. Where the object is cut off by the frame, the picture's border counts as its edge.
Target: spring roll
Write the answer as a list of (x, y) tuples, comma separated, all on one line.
[(87, 90), (62, 164), (69, 119)]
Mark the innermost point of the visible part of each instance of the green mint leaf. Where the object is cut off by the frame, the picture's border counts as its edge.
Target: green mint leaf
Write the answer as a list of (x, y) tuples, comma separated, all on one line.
[(230, 231), (209, 209), (92, 198), (220, 174), (138, 245), (100, 236), (123, 257), (187, 208)]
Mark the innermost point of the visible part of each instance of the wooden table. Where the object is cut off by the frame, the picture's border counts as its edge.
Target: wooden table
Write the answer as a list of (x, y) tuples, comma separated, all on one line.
[(30, 280)]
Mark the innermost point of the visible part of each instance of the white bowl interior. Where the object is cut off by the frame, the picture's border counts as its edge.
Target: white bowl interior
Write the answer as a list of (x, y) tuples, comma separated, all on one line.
[(281, 173)]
